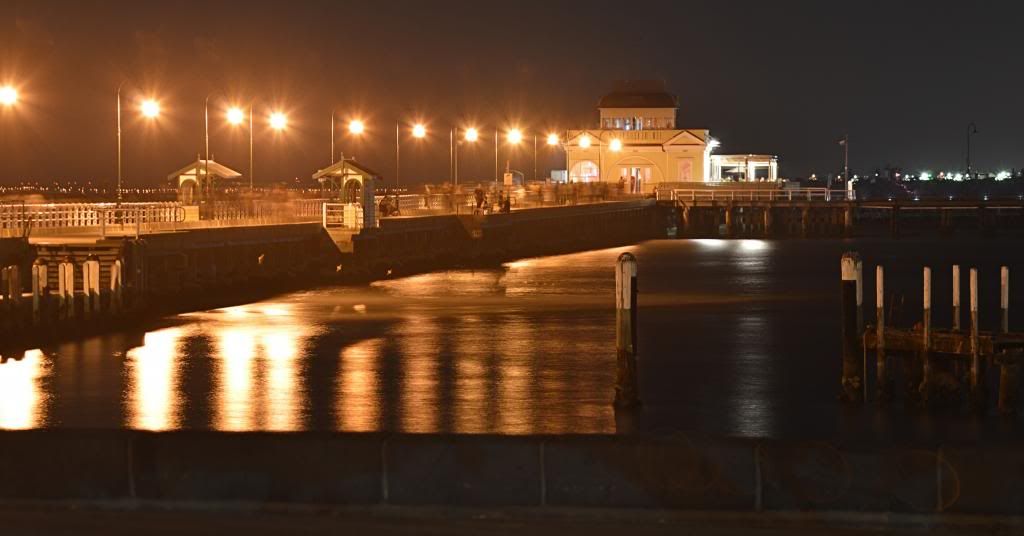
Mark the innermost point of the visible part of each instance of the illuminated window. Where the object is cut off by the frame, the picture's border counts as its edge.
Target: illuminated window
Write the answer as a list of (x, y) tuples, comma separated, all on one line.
[(585, 171)]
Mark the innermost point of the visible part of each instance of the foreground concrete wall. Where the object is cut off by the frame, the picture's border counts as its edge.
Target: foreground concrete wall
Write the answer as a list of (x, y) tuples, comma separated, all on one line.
[(487, 470)]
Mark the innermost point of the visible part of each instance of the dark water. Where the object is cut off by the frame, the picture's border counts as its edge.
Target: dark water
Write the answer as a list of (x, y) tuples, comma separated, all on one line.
[(737, 338)]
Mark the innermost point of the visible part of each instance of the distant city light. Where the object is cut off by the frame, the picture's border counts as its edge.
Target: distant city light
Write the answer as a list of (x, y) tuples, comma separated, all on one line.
[(236, 116), (552, 139), (514, 136), (1002, 175), (419, 130), (472, 134), (356, 126), (615, 145), (8, 96), (584, 142), (278, 121), (150, 108), (958, 177), (714, 143), (924, 176)]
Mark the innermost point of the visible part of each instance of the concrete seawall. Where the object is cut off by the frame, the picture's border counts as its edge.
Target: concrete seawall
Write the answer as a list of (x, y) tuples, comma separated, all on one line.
[(501, 471)]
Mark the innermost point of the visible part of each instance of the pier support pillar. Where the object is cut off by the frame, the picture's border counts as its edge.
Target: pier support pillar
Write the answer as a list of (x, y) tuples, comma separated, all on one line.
[(768, 221), (1009, 384), (852, 380), (91, 286), (66, 288), (40, 291), (626, 390), (116, 287), (894, 226), (805, 222), (848, 221), (881, 366), (728, 221), (926, 338), (684, 220)]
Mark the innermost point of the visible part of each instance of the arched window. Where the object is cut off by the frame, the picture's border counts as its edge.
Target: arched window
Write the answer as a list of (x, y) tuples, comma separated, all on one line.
[(585, 171)]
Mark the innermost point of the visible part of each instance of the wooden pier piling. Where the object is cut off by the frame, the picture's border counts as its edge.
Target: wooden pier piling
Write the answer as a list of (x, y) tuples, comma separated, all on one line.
[(40, 291), (626, 390), (853, 373), (926, 337), (881, 368), (1004, 299), (977, 384), (956, 297)]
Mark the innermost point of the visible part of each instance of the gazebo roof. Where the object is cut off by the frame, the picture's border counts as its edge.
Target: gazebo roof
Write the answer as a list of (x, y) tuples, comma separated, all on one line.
[(200, 167), (343, 168)]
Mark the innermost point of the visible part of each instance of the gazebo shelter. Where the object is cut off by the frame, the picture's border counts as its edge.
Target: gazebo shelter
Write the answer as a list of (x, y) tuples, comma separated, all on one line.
[(348, 181), (192, 182)]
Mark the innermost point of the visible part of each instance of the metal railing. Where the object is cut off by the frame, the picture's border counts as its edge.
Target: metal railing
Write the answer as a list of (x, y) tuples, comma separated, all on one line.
[(754, 194)]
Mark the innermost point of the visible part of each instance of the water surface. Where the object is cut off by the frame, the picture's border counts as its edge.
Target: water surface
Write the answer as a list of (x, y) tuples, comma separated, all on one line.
[(737, 338)]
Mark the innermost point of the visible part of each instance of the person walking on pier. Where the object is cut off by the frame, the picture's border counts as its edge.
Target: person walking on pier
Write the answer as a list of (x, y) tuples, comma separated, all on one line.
[(478, 196)]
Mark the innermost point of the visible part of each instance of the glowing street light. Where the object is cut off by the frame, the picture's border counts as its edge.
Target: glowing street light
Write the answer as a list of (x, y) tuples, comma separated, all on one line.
[(8, 96), (615, 145), (552, 139), (235, 115), (418, 130), (278, 121), (150, 108), (584, 142), (356, 127), (472, 134), (514, 136)]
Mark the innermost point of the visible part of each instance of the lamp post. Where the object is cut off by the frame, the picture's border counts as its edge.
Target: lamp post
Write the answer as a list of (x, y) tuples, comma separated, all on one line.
[(470, 134), (419, 131), (971, 130), (150, 109), (8, 96), (552, 140), (235, 117)]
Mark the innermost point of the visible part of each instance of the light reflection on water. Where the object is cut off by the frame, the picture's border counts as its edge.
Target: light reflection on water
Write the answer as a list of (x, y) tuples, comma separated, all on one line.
[(737, 337)]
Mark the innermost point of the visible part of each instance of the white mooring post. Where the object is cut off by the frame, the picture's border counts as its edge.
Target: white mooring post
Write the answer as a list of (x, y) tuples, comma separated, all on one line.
[(881, 366), (66, 288), (977, 386), (91, 286), (39, 290), (1004, 298), (116, 286), (926, 335), (852, 361), (956, 297), (626, 390)]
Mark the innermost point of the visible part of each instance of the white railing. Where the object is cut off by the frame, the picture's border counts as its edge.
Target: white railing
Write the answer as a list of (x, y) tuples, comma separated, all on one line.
[(764, 194), (26, 219), (342, 216)]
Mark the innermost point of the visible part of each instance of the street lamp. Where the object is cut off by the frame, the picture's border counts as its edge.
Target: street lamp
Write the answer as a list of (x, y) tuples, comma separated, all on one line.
[(615, 145), (236, 116), (356, 127), (419, 131), (150, 108), (971, 130), (552, 139), (8, 96), (470, 135), (278, 121)]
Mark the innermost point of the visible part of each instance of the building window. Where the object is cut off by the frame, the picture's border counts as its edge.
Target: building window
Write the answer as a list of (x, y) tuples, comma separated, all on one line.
[(584, 171)]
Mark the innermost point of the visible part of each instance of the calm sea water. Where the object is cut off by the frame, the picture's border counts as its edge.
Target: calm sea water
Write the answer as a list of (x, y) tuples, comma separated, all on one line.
[(737, 337)]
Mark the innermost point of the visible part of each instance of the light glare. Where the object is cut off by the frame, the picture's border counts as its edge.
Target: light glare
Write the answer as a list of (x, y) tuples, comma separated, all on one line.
[(236, 116), (278, 121), (585, 142), (356, 126), (8, 96), (552, 139), (150, 108), (419, 131), (514, 136), (615, 145), (472, 134)]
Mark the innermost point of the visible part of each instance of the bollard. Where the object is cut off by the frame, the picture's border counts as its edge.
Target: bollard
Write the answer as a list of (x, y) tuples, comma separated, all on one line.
[(860, 297), (116, 285), (853, 373), (1004, 298), (881, 368), (626, 392), (926, 337), (956, 297), (977, 385), (66, 288), (39, 293), (91, 286)]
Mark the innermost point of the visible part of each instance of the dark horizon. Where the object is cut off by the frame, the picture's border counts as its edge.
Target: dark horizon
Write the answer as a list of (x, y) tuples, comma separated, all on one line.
[(902, 80)]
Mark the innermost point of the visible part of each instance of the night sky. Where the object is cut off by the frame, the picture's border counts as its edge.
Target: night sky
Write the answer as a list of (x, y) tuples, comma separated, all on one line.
[(903, 78)]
